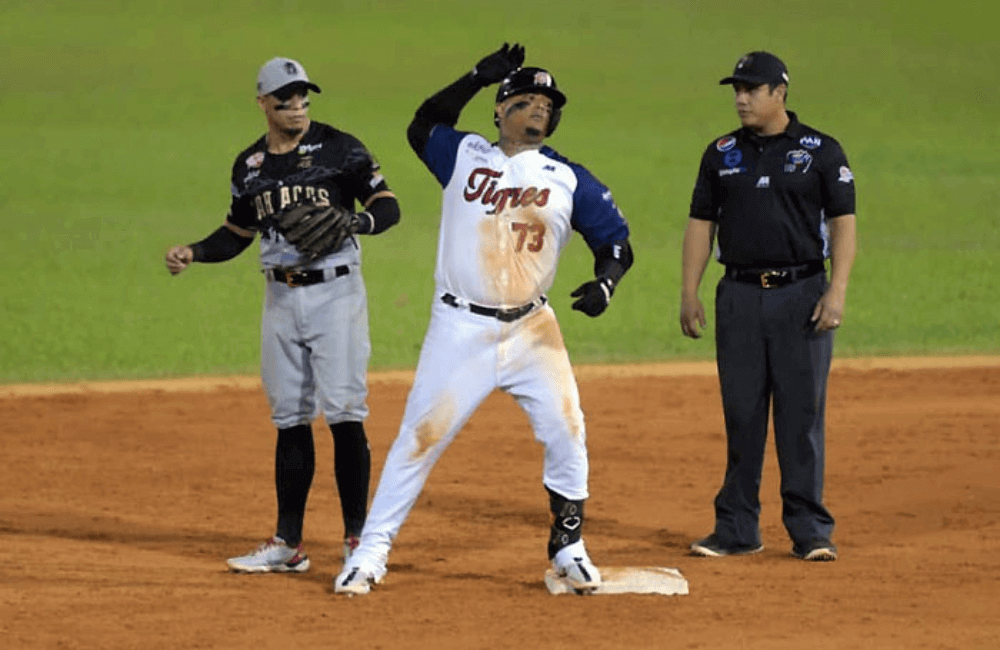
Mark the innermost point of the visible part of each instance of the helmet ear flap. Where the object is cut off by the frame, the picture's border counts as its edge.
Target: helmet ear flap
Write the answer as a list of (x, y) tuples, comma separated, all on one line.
[(554, 117)]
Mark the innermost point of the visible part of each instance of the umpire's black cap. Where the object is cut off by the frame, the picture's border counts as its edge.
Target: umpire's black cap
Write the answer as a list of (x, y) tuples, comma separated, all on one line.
[(758, 68)]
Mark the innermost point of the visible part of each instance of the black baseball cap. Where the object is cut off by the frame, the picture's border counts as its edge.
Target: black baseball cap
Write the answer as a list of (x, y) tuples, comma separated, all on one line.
[(758, 68)]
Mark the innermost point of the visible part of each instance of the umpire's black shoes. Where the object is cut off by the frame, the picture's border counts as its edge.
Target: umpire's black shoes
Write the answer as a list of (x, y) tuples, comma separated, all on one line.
[(817, 550), (711, 547)]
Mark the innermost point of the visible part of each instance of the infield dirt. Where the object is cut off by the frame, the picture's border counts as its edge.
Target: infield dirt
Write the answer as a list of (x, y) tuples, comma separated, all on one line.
[(119, 504)]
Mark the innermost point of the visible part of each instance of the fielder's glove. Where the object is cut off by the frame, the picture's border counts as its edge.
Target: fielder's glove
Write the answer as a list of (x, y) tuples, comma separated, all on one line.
[(495, 67), (594, 296), (316, 230)]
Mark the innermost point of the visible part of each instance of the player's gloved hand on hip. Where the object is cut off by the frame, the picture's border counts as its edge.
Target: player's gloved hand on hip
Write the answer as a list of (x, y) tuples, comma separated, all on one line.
[(594, 296), (493, 68)]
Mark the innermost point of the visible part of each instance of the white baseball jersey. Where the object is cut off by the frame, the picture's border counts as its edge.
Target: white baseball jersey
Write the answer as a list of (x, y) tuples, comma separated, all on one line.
[(505, 220)]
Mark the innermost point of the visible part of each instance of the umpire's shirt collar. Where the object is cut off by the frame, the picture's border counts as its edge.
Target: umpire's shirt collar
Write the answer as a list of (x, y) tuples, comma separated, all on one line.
[(793, 131)]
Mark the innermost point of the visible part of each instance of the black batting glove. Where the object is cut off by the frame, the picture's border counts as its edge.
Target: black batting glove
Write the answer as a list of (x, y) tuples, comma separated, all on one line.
[(594, 296), (495, 67)]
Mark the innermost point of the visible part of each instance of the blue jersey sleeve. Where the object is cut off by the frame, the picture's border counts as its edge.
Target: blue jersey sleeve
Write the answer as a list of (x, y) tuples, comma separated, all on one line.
[(595, 215), (442, 151)]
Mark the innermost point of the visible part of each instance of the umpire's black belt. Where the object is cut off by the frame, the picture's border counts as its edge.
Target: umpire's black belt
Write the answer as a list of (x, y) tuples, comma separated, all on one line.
[(504, 315), (307, 277), (774, 277)]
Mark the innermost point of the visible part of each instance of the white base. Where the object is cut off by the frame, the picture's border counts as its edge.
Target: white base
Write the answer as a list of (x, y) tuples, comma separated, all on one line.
[(627, 580)]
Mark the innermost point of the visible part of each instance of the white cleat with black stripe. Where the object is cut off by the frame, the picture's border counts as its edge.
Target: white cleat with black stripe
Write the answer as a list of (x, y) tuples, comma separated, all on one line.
[(357, 580), (573, 565)]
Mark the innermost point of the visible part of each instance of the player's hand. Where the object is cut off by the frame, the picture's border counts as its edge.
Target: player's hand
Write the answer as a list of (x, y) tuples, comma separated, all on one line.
[(178, 258), (493, 68), (829, 311), (692, 316), (594, 296)]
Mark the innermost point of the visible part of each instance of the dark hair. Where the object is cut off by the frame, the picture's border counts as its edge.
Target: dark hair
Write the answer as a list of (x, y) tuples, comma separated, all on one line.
[(774, 86)]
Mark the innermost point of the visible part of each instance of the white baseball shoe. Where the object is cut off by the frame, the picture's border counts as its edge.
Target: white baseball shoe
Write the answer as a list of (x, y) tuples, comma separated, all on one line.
[(357, 579), (273, 556), (573, 564)]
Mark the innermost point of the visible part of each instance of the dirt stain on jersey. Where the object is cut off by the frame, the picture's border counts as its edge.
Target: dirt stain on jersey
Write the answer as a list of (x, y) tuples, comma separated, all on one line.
[(434, 426), (515, 255)]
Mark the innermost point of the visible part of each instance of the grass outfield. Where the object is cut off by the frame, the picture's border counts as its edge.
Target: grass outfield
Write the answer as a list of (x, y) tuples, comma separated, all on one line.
[(120, 125)]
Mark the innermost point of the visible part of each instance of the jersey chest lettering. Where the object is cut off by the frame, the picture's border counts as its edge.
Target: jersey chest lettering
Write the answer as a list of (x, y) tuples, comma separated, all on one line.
[(272, 201), (482, 186)]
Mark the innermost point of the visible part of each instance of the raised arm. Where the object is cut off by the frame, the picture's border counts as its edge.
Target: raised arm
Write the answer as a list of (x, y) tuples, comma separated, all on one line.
[(446, 105)]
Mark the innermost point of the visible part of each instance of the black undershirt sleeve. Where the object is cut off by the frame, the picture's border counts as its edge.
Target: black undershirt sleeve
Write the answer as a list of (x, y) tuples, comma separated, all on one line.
[(384, 213), (442, 108), (221, 245)]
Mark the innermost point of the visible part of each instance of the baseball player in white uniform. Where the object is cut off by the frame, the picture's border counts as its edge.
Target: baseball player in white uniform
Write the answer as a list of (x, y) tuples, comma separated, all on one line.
[(509, 208)]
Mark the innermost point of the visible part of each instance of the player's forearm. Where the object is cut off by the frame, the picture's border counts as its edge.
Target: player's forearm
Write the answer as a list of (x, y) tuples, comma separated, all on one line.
[(613, 260), (843, 245), (697, 250), (221, 245), (380, 214), (444, 107)]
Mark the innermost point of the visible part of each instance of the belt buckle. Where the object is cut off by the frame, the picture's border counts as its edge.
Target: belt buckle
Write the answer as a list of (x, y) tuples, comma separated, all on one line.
[(292, 278), (511, 315), (508, 315), (767, 277)]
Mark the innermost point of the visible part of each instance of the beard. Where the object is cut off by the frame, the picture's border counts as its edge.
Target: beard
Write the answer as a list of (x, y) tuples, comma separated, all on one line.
[(292, 132)]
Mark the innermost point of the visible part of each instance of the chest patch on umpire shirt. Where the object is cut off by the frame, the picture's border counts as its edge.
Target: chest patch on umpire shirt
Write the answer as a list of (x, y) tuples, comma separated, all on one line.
[(798, 160), (764, 181), (811, 141), (726, 143)]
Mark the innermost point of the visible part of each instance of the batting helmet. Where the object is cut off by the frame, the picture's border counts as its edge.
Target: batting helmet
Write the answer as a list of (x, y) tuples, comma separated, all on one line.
[(533, 80)]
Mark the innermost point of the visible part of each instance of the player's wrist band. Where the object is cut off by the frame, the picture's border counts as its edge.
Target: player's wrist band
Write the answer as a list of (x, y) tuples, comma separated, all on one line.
[(366, 222)]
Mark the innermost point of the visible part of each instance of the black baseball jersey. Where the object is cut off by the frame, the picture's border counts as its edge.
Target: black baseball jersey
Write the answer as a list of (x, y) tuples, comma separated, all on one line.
[(327, 166), (770, 196)]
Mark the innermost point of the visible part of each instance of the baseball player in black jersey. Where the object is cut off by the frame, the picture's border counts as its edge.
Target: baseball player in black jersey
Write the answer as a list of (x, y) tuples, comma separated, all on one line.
[(315, 342), (780, 197)]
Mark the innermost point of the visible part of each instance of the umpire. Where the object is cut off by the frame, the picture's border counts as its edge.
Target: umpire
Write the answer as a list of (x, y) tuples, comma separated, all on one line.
[(780, 197)]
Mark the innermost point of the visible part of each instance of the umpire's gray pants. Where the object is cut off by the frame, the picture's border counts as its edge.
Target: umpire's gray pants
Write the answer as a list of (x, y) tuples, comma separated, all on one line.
[(766, 349)]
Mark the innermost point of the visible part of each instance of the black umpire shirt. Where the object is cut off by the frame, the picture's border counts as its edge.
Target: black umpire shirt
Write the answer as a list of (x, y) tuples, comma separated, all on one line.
[(770, 195)]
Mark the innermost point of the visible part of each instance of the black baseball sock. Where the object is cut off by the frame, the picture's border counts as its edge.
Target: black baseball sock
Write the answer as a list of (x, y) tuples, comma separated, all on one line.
[(567, 522), (352, 466), (294, 465)]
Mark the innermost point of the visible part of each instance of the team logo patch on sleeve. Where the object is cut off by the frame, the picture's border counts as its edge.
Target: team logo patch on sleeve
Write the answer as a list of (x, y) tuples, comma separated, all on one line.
[(846, 176), (255, 160), (726, 143)]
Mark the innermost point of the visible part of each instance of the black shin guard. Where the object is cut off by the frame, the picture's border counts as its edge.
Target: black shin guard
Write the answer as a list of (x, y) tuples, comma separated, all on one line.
[(294, 465), (352, 466), (567, 522)]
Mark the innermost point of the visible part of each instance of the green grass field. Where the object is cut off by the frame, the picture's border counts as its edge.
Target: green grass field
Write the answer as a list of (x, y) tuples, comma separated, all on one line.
[(120, 122)]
